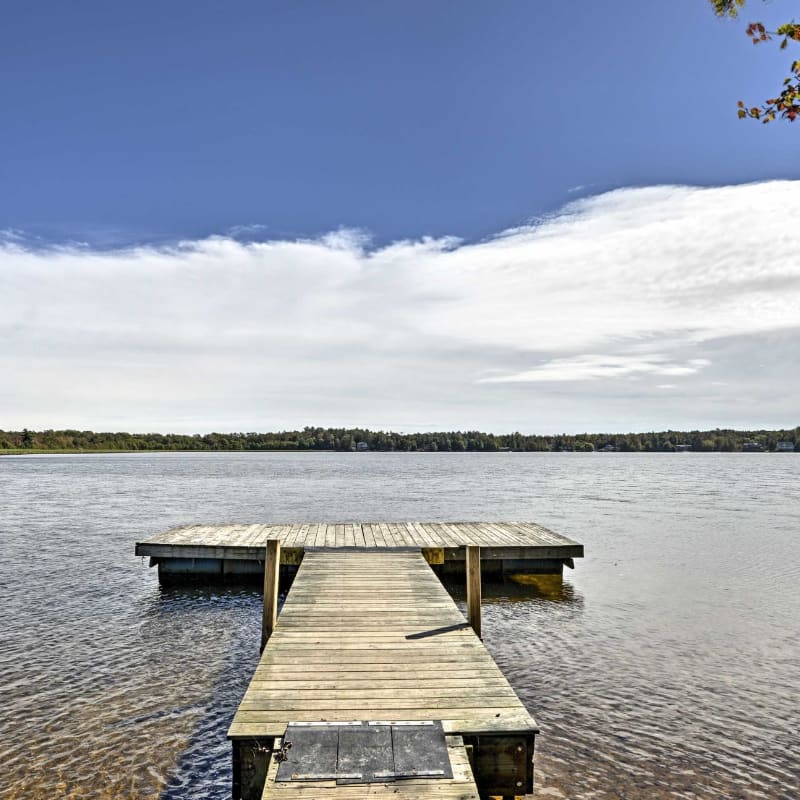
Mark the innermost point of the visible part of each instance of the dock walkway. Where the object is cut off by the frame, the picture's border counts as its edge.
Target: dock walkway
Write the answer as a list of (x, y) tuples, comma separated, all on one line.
[(371, 634)]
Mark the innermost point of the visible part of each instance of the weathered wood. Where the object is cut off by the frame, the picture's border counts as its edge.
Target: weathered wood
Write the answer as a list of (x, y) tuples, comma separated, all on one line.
[(271, 579), (336, 635), (433, 555), (373, 635), (250, 761), (503, 765), (513, 540), (474, 588)]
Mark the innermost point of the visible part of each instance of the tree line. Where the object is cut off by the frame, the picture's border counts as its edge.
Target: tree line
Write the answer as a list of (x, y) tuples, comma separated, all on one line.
[(347, 439)]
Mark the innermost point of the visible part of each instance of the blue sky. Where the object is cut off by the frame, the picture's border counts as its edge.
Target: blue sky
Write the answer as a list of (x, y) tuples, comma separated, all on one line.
[(149, 121), (529, 216)]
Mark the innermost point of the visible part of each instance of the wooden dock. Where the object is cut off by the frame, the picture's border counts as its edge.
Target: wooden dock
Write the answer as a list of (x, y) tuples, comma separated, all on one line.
[(370, 636), (238, 550), (371, 682)]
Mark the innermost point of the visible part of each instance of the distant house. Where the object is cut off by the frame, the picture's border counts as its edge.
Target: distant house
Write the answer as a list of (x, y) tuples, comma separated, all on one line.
[(362, 446), (751, 447), (784, 447)]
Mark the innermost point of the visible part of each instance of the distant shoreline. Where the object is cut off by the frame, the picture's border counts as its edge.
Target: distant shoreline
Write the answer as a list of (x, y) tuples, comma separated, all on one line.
[(316, 440), (40, 452), (77, 452)]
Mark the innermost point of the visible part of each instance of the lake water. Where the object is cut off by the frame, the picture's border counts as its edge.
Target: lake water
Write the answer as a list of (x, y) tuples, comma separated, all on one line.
[(669, 665)]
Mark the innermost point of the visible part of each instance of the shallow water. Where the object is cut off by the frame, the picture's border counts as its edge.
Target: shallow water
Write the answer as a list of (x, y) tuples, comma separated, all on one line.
[(667, 666)]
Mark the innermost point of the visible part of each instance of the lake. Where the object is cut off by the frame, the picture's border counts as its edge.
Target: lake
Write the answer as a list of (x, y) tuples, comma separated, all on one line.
[(666, 667)]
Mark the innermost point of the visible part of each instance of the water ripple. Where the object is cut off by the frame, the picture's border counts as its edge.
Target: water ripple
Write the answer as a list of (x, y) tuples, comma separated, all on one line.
[(664, 666)]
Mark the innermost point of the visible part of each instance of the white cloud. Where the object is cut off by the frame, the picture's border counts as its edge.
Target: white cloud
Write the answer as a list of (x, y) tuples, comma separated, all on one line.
[(589, 367), (539, 328)]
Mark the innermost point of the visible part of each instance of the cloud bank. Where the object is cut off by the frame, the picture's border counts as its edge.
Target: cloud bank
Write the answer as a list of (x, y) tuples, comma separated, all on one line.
[(570, 323)]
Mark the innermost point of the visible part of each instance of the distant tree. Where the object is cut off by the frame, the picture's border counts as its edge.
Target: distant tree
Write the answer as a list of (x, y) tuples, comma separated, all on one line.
[(341, 439), (785, 104)]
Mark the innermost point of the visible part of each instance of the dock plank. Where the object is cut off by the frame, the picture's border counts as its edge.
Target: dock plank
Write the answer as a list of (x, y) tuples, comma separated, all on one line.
[(399, 651)]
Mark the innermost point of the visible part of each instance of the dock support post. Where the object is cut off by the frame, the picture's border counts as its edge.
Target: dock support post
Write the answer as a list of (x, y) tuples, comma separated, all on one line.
[(474, 588), (272, 566)]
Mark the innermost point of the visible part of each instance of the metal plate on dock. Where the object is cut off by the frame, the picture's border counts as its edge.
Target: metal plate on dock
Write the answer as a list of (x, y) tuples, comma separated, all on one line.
[(363, 752), (420, 751), (310, 753)]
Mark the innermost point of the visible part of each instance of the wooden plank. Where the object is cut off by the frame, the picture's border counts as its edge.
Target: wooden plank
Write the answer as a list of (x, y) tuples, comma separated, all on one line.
[(269, 725), (387, 651), (311, 535), (355, 681), (387, 534), (369, 536), (360, 537), (352, 692), (319, 536), (349, 535), (290, 540)]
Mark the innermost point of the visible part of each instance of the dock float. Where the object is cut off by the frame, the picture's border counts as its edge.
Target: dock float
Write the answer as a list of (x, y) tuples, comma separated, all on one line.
[(236, 551), (368, 647)]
